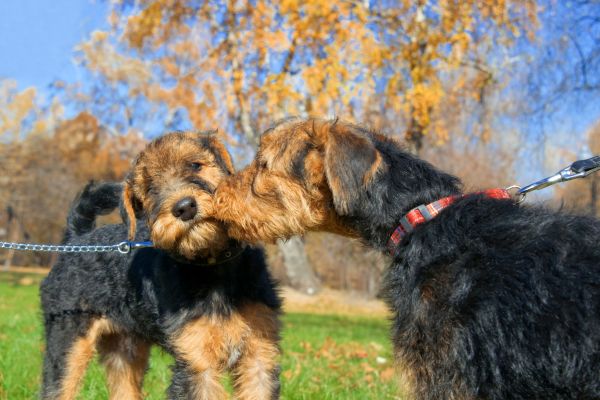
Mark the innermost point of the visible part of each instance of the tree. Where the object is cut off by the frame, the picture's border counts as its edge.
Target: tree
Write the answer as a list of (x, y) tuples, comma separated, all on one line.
[(561, 85), (561, 78), (243, 64), (21, 112)]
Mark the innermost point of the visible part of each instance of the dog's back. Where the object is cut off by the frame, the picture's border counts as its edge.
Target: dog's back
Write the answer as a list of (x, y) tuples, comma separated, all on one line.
[(68, 288)]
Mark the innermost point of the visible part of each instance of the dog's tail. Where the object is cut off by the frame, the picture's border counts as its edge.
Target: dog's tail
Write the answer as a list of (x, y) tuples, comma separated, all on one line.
[(95, 199)]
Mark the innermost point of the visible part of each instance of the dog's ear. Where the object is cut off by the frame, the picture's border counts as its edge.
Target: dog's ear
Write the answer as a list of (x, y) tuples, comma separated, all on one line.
[(132, 208), (351, 163), (222, 156), (210, 140)]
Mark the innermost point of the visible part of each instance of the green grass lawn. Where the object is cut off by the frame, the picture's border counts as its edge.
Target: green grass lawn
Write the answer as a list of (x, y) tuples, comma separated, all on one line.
[(325, 357)]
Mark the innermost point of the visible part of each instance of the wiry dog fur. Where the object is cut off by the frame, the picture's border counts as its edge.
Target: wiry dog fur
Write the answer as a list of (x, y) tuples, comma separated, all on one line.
[(491, 300), (207, 300)]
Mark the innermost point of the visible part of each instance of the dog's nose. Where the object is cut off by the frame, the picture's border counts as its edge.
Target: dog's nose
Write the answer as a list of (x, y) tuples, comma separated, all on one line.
[(185, 209)]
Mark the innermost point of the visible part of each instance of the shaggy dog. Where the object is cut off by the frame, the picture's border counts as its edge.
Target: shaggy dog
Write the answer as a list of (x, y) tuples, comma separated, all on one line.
[(490, 299)]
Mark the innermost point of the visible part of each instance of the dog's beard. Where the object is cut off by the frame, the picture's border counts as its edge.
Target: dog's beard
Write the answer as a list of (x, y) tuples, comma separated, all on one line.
[(190, 240)]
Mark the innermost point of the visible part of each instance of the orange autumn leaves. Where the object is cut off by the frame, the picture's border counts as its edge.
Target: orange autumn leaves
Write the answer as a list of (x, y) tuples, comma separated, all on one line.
[(354, 364), (245, 62)]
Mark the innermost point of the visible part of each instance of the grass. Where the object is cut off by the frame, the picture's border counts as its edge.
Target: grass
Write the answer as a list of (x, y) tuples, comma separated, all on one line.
[(325, 357)]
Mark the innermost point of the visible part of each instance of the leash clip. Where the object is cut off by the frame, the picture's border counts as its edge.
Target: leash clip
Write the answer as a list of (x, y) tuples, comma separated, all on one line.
[(579, 169), (126, 247)]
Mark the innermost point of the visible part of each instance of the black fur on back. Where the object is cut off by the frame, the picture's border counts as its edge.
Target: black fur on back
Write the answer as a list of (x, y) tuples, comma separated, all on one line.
[(490, 300)]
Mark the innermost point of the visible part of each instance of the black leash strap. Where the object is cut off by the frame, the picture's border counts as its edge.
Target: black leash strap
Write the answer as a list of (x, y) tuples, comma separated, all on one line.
[(586, 166)]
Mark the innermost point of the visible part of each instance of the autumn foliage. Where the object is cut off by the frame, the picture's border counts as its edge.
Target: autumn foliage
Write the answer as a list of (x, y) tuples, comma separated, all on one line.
[(428, 72), (242, 64), (44, 171)]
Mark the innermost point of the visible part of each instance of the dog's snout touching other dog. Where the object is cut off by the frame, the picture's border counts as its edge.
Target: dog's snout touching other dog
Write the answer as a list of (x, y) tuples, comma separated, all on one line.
[(171, 185), (300, 180)]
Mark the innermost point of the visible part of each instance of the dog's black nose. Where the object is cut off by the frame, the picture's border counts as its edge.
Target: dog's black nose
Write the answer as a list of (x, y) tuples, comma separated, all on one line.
[(185, 209)]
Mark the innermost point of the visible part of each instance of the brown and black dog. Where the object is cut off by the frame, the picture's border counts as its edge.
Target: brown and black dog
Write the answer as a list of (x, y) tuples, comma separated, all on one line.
[(205, 298), (491, 300)]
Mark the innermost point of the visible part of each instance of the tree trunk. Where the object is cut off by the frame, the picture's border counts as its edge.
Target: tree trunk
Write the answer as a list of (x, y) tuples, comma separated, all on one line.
[(12, 234), (594, 195), (8, 260), (297, 267), (414, 137), (295, 261), (416, 131)]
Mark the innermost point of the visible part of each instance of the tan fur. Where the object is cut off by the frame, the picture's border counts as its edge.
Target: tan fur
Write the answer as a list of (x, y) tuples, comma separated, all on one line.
[(263, 201), (408, 379), (375, 169), (128, 205), (79, 356), (259, 360), (245, 342), (342, 143), (223, 153), (266, 202), (191, 240), (257, 217), (125, 361), (205, 345)]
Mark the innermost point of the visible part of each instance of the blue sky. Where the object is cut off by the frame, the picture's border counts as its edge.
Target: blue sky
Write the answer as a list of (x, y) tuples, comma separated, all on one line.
[(37, 38)]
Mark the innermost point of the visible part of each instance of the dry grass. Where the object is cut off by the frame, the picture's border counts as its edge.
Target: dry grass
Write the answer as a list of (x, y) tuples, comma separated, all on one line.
[(329, 301)]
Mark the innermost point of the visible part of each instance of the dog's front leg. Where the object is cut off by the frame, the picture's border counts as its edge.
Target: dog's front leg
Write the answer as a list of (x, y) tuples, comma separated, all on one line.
[(256, 373), (199, 349), (188, 384)]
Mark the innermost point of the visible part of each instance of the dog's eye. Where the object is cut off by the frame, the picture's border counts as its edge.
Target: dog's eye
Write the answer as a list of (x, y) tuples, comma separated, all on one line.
[(196, 166)]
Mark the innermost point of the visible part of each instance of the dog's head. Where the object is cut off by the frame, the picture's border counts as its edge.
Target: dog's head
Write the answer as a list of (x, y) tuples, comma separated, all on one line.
[(307, 175), (172, 185)]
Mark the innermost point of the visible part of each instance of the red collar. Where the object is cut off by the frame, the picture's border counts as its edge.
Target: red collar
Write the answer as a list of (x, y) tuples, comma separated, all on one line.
[(427, 212)]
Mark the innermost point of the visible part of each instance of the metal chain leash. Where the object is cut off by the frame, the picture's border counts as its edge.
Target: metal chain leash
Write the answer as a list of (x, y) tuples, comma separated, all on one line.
[(123, 247)]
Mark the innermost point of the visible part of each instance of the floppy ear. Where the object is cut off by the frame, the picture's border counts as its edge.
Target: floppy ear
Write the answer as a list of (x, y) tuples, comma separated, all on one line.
[(132, 208), (351, 163), (221, 153), (211, 141)]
